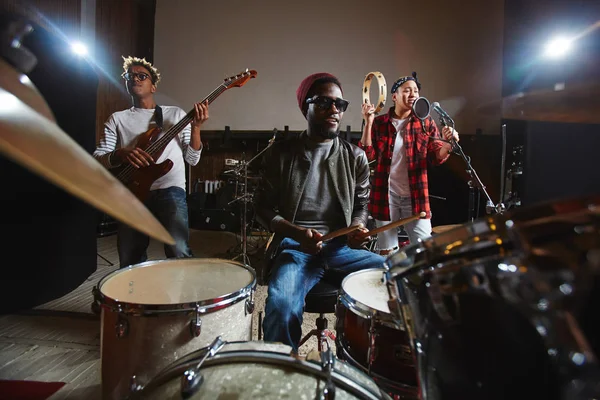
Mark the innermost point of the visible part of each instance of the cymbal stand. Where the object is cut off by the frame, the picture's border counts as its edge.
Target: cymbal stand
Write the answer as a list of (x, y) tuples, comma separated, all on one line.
[(245, 198)]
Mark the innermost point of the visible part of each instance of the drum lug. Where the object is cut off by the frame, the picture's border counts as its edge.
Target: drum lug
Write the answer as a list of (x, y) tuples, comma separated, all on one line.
[(96, 303), (372, 350), (250, 304), (122, 327), (196, 324), (134, 386)]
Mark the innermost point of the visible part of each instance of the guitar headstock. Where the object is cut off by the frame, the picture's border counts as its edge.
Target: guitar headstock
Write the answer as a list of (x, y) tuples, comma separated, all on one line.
[(240, 79)]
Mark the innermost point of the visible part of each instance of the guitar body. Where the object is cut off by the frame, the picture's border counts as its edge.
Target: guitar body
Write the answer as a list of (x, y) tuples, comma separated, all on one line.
[(141, 179)]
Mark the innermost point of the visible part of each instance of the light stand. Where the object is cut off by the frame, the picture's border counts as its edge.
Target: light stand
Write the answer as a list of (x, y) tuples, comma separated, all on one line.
[(245, 198)]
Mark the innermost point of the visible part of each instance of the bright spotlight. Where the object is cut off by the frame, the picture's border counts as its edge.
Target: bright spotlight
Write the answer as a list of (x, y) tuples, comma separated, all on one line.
[(558, 47), (79, 48)]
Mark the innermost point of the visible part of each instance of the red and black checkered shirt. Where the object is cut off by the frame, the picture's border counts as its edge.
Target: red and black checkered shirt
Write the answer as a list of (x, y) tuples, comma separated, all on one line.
[(421, 148)]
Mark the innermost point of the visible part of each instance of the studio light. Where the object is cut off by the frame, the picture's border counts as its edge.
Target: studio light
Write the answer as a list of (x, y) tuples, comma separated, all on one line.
[(79, 48), (558, 47)]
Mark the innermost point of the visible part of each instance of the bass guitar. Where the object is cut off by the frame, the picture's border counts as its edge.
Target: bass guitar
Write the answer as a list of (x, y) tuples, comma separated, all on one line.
[(139, 180)]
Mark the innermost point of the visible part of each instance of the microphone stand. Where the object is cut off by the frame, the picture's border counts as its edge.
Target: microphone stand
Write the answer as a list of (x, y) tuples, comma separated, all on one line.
[(245, 198), (475, 182)]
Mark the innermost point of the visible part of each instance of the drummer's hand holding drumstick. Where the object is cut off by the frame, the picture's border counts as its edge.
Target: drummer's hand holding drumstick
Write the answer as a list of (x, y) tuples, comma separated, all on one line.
[(310, 241), (358, 238)]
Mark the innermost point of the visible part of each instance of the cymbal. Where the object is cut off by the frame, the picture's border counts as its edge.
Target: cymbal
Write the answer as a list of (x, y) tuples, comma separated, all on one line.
[(31, 139), (575, 104)]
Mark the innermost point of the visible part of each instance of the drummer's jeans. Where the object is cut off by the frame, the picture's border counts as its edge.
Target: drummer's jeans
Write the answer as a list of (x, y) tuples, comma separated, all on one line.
[(295, 273), (169, 206), (401, 207)]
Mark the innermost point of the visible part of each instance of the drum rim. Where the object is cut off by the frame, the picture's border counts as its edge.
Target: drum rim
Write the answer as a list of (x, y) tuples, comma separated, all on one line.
[(266, 357), (361, 309), (203, 307)]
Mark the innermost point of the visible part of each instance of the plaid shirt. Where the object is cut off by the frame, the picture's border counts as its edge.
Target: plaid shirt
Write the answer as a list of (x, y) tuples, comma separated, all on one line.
[(420, 148)]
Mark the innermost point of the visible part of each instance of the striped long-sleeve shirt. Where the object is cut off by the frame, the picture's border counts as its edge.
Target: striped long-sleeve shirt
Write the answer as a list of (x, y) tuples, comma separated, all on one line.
[(122, 129)]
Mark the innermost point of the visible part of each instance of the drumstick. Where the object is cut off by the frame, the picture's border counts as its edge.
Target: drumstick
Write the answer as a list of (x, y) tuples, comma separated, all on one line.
[(395, 224), (340, 232)]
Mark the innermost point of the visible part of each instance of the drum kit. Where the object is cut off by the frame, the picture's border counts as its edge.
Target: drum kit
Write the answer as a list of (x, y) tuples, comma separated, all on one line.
[(496, 308)]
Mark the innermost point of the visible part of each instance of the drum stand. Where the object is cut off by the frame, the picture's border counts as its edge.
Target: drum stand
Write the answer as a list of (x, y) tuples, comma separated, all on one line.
[(246, 198)]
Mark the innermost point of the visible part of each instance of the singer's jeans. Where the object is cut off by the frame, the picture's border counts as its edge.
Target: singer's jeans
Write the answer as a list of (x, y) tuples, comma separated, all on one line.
[(169, 206), (401, 207), (295, 273)]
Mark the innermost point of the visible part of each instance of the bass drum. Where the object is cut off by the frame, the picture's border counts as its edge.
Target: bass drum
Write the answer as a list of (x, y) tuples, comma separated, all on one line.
[(258, 370), (505, 306)]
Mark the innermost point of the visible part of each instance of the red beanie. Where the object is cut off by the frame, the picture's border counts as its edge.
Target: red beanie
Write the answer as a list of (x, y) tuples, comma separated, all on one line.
[(307, 84)]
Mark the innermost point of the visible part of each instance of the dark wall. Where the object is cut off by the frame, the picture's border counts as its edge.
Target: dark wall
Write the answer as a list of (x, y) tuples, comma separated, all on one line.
[(50, 236)]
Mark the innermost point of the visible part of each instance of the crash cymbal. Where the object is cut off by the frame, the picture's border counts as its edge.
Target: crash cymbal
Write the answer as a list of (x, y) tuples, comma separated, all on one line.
[(574, 104), (19, 85), (35, 142)]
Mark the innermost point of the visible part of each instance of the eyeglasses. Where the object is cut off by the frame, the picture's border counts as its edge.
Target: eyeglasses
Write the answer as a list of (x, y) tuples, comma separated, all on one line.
[(324, 103), (132, 75)]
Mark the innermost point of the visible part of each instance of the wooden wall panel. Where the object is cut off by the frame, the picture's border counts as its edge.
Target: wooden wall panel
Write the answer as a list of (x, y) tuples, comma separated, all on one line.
[(123, 28), (57, 16)]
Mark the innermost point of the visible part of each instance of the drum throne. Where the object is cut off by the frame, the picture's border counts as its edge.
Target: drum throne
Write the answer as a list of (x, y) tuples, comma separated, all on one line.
[(321, 299)]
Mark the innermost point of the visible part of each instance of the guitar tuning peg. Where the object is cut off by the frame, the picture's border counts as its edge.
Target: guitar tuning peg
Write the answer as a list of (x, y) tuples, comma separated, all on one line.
[(246, 69)]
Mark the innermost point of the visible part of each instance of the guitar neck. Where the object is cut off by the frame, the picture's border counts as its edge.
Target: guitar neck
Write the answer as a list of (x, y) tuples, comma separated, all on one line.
[(164, 140)]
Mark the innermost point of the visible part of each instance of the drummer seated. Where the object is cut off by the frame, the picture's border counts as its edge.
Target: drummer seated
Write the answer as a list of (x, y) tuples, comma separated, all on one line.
[(312, 185)]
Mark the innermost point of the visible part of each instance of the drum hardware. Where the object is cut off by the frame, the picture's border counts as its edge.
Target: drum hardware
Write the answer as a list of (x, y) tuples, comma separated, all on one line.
[(328, 365), (372, 351), (250, 303), (196, 323), (122, 326), (532, 284), (242, 170), (192, 378), (134, 386)]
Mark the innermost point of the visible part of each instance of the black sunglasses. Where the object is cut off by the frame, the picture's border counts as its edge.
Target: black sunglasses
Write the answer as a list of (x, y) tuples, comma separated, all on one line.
[(132, 75), (324, 103)]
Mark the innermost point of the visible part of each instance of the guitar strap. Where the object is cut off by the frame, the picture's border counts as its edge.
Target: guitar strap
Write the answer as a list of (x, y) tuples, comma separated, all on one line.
[(158, 116)]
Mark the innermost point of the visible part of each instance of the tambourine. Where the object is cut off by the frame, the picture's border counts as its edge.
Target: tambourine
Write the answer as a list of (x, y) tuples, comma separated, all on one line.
[(382, 90)]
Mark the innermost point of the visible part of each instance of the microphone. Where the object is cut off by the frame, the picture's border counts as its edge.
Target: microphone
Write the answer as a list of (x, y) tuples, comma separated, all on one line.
[(438, 109)]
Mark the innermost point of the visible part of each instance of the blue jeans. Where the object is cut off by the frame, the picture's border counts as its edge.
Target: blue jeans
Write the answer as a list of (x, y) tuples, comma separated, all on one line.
[(294, 274), (169, 206)]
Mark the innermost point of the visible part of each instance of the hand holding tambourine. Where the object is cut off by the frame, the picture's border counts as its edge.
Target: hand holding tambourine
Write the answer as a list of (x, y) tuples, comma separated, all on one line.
[(368, 112)]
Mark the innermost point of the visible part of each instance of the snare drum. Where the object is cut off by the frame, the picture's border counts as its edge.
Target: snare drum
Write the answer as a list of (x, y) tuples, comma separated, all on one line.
[(155, 312), (258, 370), (370, 338), (501, 307)]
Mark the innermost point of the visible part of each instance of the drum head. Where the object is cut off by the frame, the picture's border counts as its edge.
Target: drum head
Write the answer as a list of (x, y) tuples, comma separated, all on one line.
[(367, 287), (257, 370), (176, 281)]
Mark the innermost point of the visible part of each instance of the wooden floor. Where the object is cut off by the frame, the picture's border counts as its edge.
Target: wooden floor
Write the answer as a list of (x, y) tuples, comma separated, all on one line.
[(60, 341)]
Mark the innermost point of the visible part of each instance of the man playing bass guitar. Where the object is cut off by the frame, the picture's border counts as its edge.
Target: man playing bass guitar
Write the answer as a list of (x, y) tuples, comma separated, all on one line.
[(118, 147)]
